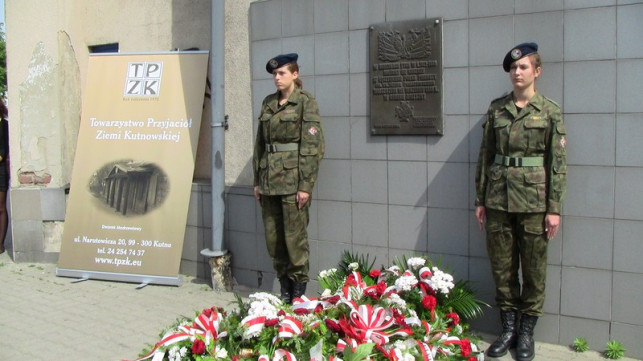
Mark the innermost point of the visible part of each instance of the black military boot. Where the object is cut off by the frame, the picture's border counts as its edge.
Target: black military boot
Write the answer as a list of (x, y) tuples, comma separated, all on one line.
[(525, 345), (298, 289), (286, 290), (507, 338)]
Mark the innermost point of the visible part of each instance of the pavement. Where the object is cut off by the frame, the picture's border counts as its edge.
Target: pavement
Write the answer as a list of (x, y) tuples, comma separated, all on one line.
[(50, 318)]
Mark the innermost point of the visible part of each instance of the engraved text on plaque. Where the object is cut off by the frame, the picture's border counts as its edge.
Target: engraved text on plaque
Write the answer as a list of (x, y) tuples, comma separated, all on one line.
[(406, 78)]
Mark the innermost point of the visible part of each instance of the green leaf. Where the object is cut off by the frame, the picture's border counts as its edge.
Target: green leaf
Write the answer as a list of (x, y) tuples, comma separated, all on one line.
[(361, 352)]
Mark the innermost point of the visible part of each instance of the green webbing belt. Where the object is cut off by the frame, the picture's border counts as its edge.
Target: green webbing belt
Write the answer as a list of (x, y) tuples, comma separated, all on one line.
[(272, 148), (519, 162)]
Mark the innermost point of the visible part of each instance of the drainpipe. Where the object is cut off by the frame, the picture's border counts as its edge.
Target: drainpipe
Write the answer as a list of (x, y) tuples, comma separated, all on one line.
[(220, 259)]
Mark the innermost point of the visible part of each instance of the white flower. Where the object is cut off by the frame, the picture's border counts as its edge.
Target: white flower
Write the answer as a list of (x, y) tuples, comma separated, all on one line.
[(395, 300), (441, 281), (353, 266), (183, 351), (394, 269), (326, 293), (415, 263), (406, 283), (327, 273), (220, 352)]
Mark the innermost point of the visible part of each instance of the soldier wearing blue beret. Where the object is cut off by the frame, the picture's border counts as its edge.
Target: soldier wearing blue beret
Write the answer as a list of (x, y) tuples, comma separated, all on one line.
[(288, 150), (520, 184)]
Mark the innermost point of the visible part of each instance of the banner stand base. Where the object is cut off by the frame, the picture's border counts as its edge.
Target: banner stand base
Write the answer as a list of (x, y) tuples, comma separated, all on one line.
[(142, 280)]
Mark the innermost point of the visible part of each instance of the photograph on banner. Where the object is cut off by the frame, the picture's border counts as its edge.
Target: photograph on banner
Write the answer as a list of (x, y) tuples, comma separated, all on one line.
[(134, 165)]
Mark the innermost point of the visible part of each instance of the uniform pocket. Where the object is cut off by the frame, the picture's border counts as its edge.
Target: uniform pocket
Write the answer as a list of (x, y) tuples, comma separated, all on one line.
[(536, 188), (536, 129)]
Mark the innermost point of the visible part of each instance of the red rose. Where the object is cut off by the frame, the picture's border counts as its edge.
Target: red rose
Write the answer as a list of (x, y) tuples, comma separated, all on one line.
[(429, 302), (375, 274), (319, 308), (207, 312), (465, 345), (198, 347), (271, 322), (333, 300), (281, 313), (235, 358), (454, 317)]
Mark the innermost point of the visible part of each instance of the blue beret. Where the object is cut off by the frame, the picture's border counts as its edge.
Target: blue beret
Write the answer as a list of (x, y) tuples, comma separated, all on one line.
[(280, 60), (519, 51)]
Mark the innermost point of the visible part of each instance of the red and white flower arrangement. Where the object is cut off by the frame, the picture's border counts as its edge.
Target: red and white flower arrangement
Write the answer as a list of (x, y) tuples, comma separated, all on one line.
[(411, 311)]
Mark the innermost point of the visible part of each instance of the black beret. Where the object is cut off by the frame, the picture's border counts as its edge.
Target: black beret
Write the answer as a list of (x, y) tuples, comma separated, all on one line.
[(280, 60), (518, 51)]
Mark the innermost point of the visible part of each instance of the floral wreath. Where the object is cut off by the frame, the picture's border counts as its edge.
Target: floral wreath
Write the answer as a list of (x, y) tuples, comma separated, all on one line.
[(411, 311)]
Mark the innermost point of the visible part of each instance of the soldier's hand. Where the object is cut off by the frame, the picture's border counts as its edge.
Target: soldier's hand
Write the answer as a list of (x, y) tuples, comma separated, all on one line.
[(302, 198), (481, 215), (257, 194), (552, 223)]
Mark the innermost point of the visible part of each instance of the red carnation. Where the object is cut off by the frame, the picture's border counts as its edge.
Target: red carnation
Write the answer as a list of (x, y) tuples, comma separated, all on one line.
[(454, 317), (375, 274), (235, 358), (429, 302), (381, 287), (333, 300), (207, 312), (465, 345), (281, 313), (319, 308), (198, 347), (271, 322), (350, 281)]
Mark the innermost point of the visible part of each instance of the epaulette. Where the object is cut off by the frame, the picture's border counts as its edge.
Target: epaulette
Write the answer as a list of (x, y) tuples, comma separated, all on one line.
[(552, 101)]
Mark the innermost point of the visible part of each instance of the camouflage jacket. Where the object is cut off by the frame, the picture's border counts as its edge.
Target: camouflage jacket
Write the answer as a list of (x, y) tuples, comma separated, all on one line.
[(289, 145), (537, 131)]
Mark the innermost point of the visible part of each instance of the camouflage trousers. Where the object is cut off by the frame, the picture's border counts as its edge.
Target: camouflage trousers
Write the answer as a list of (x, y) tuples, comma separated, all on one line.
[(518, 241), (286, 235)]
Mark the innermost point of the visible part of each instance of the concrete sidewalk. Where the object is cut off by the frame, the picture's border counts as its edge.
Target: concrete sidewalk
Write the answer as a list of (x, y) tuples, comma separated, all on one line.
[(44, 317)]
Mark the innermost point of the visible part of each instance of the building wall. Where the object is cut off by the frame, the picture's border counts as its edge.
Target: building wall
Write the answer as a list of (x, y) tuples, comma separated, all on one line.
[(393, 195), (385, 196)]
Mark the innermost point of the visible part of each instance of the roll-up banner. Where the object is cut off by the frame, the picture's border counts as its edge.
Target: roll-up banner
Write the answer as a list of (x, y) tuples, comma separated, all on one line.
[(132, 175)]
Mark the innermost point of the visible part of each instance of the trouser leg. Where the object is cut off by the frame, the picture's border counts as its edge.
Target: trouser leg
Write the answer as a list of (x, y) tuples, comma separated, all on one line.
[(273, 221), (533, 262), (502, 248), (286, 236), (296, 237)]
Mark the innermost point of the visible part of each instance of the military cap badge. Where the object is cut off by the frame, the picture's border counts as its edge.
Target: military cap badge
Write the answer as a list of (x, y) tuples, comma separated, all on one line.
[(517, 52), (281, 60)]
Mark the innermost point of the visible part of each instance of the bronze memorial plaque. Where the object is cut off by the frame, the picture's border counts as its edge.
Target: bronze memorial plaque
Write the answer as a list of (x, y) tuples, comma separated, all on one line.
[(406, 78)]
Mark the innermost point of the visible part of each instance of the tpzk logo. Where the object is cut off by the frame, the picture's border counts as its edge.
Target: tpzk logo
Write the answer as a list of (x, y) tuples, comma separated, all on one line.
[(143, 79)]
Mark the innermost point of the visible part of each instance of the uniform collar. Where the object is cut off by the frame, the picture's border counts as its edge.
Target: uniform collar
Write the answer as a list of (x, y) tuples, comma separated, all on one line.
[(537, 101), (293, 99)]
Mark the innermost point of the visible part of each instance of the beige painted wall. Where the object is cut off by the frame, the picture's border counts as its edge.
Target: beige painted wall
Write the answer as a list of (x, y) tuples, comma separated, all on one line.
[(47, 50)]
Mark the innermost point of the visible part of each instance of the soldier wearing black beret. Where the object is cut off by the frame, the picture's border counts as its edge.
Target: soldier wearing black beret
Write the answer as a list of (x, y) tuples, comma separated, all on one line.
[(520, 184), (288, 150)]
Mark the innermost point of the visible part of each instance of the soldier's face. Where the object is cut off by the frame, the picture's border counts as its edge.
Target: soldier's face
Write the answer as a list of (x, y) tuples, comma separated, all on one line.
[(284, 78), (523, 73)]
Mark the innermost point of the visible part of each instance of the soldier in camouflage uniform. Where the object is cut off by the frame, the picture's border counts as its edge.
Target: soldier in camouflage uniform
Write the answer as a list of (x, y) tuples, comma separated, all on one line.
[(288, 150), (520, 184)]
